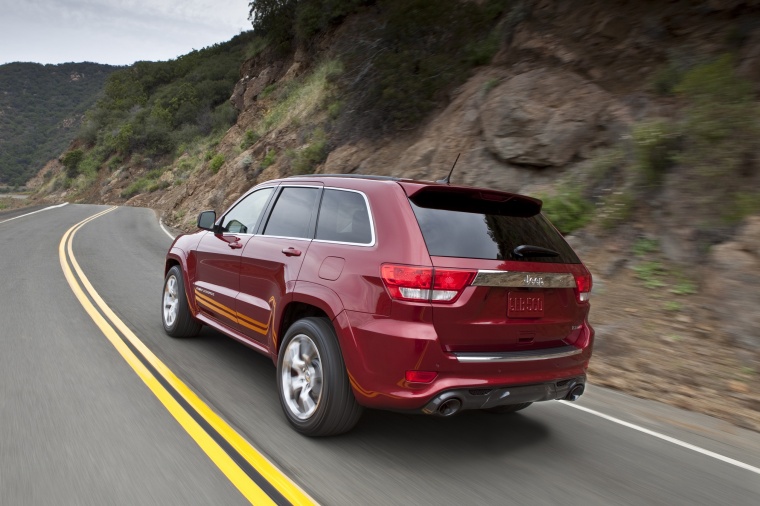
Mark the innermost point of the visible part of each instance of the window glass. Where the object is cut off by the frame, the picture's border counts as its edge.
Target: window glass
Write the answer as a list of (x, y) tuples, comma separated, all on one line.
[(343, 217), (461, 234), (292, 213), (243, 217)]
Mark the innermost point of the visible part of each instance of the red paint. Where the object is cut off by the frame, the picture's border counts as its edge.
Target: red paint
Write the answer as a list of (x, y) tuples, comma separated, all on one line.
[(398, 351)]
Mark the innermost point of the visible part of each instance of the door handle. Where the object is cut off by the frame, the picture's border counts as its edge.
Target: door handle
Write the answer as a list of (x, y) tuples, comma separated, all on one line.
[(292, 252), (235, 245)]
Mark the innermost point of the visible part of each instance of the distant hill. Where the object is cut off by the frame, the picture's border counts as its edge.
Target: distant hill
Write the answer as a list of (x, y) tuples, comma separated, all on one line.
[(41, 108)]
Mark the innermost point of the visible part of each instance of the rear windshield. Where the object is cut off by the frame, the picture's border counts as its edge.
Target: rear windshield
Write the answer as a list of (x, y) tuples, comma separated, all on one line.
[(489, 236)]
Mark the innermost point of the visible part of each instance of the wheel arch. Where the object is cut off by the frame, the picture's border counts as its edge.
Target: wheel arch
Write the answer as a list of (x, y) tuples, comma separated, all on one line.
[(176, 257)]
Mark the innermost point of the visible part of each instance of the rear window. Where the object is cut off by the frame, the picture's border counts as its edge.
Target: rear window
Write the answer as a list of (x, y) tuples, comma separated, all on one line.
[(457, 233)]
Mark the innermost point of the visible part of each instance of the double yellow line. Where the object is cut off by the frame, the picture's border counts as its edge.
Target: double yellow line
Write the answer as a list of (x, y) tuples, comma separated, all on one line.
[(252, 473)]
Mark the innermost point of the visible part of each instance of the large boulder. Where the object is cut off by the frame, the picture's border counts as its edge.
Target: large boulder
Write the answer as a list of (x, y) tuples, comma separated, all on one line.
[(545, 118)]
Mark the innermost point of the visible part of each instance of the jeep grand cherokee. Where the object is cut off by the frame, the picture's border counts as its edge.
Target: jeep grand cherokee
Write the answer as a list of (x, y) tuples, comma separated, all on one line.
[(388, 293)]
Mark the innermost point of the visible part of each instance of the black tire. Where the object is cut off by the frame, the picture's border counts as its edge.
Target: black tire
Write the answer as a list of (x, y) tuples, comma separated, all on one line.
[(174, 303), (310, 356), (509, 408)]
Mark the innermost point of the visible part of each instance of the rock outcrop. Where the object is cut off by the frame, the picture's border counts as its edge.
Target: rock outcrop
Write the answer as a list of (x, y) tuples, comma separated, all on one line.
[(733, 282)]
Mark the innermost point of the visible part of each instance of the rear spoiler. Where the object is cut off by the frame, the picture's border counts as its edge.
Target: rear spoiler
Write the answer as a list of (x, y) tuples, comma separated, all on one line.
[(471, 200)]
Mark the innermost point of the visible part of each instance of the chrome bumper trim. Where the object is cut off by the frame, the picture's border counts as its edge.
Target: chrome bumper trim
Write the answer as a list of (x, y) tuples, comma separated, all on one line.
[(518, 356)]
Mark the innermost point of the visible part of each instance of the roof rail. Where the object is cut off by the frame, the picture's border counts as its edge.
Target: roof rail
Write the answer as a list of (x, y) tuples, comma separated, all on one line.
[(355, 176)]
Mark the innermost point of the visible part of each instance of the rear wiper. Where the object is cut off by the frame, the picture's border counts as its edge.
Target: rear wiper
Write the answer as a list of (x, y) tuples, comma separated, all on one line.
[(528, 250)]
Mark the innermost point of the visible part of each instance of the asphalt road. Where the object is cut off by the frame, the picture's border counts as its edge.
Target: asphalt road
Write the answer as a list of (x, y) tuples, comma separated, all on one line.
[(77, 425)]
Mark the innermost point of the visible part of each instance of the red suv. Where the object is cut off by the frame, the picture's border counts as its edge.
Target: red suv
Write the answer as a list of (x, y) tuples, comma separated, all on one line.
[(388, 293)]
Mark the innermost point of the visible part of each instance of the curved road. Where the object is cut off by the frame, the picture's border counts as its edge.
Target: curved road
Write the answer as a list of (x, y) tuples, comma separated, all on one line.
[(78, 426)]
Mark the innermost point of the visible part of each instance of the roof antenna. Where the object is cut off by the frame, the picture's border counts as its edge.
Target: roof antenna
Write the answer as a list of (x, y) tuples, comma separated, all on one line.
[(447, 179)]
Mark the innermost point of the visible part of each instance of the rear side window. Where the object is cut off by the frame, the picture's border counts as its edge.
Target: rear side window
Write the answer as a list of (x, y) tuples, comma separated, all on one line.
[(343, 217), (293, 212), (464, 234)]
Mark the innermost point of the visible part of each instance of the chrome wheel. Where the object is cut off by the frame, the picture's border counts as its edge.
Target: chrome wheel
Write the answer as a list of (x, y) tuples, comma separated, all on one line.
[(301, 377), (171, 301)]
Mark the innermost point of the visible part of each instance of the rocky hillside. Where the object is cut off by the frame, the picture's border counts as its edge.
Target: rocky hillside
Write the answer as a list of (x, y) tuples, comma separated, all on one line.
[(41, 109), (635, 122)]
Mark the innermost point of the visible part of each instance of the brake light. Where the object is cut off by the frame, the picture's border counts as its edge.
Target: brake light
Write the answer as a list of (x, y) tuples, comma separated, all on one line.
[(583, 284), (407, 282)]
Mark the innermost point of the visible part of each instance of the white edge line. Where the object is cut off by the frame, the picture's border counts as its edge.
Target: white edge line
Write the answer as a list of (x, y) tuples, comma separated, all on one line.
[(34, 212), (669, 439), (161, 223)]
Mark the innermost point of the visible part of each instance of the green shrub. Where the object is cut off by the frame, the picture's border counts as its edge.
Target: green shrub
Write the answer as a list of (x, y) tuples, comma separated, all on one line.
[(71, 161), (305, 160), (654, 148), (719, 135), (216, 163), (269, 159), (568, 210), (249, 139), (133, 189)]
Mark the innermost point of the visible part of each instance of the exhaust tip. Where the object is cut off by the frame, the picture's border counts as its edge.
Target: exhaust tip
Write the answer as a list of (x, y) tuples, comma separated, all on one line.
[(449, 407), (575, 393)]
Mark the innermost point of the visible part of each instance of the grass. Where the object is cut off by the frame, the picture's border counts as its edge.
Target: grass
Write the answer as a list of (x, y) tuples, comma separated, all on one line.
[(298, 101), (644, 246), (651, 273), (673, 306)]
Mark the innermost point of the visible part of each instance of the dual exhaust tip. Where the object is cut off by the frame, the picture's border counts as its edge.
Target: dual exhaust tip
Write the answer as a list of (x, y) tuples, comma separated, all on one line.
[(453, 405)]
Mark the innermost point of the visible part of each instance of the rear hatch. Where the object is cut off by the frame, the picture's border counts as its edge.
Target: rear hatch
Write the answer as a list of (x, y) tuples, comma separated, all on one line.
[(527, 289)]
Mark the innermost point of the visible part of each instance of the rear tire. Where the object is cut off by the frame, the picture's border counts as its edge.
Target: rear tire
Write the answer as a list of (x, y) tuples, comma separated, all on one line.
[(312, 382), (175, 310), (509, 408)]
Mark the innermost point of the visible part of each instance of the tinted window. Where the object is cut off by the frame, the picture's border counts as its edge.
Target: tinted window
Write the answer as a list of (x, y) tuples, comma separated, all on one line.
[(243, 217), (292, 212), (488, 236), (343, 217)]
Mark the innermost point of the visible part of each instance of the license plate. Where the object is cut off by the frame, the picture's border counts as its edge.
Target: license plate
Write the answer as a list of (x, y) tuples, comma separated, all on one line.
[(525, 305)]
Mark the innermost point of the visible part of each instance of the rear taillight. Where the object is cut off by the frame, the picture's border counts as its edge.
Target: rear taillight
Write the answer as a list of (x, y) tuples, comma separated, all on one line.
[(583, 285), (407, 282)]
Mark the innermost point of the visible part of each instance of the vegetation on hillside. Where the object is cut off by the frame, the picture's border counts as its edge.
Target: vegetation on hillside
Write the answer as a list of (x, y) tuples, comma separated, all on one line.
[(399, 56), (710, 146), (152, 111), (40, 109)]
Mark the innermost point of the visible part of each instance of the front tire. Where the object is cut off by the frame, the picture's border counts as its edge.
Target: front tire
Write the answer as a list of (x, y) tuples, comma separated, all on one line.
[(312, 382), (175, 310)]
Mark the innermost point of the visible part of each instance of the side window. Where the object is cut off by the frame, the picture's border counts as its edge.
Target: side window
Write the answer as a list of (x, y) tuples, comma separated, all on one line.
[(343, 217), (243, 217), (292, 212)]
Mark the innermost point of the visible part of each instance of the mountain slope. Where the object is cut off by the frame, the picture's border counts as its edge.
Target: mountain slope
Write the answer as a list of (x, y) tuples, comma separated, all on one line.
[(41, 107)]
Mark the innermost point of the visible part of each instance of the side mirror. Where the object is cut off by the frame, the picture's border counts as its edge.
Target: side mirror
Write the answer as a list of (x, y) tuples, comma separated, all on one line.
[(206, 220)]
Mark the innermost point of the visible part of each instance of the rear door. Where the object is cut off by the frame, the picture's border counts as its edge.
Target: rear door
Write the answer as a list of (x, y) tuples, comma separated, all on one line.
[(272, 260), (523, 295)]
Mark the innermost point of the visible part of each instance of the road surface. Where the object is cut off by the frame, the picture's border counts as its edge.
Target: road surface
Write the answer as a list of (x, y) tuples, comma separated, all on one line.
[(78, 425)]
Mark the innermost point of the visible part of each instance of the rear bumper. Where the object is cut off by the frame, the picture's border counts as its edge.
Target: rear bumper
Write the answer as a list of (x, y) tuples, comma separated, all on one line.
[(486, 398), (378, 351)]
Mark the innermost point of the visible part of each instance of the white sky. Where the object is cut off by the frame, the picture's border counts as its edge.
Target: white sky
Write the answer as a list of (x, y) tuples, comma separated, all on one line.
[(118, 32)]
